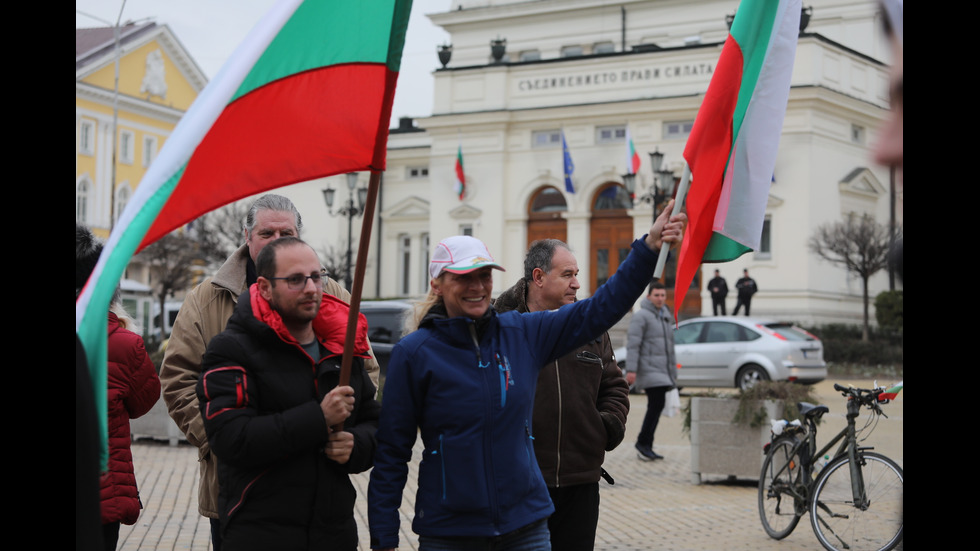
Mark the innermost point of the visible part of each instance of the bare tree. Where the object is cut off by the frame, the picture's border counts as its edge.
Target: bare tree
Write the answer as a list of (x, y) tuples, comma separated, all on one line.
[(221, 231), (859, 244), (335, 262), (175, 260)]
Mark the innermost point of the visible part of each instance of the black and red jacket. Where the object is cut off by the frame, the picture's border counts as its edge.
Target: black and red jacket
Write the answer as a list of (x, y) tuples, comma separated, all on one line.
[(260, 399)]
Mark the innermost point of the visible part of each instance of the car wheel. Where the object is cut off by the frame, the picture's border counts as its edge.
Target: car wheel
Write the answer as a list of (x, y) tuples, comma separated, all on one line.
[(749, 376)]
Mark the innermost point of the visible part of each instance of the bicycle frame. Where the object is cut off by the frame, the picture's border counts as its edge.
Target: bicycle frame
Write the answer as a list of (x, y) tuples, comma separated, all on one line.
[(849, 435)]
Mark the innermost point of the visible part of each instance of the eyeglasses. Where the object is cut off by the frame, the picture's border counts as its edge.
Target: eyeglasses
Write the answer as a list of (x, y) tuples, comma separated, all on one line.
[(298, 281)]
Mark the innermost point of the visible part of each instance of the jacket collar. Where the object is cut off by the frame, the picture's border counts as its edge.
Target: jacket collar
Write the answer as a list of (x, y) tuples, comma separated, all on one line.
[(458, 328), (514, 298), (661, 312), (330, 325), (232, 274)]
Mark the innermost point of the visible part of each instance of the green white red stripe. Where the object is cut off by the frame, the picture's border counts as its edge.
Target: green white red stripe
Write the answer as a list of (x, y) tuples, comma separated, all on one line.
[(632, 157), (307, 94), (891, 393), (460, 187), (733, 144)]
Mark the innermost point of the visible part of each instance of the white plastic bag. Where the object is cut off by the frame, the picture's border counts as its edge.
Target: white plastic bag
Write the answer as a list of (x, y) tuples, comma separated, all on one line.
[(672, 403)]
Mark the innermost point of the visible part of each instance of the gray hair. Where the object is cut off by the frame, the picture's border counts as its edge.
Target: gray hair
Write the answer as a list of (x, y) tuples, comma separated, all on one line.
[(272, 202), (540, 254)]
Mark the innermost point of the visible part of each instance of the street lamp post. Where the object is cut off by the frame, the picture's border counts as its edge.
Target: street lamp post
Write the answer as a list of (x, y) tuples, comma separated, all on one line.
[(350, 209), (662, 188)]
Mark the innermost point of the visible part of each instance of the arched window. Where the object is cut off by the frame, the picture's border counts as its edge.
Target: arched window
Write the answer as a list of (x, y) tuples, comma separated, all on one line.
[(544, 219), (122, 198)]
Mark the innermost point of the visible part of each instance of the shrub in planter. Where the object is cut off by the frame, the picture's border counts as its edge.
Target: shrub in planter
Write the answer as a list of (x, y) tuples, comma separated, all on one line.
[(751, 412), (750, 402)]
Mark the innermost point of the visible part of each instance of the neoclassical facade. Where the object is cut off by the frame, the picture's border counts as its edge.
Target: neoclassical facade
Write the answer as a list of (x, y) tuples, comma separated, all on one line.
[(594, 72), (157, 82)]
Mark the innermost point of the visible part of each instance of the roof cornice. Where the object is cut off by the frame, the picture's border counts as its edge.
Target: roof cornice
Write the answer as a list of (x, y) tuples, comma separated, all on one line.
[(133, 104), (176, 51)]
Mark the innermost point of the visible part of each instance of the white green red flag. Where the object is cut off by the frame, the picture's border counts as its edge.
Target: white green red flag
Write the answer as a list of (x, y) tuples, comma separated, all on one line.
[(460, 187), (632, 157), (891, 393), (732, 147), (307, 94)]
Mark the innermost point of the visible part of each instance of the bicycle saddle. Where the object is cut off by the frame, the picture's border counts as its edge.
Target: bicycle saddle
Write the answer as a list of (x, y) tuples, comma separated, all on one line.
[(811, 411)]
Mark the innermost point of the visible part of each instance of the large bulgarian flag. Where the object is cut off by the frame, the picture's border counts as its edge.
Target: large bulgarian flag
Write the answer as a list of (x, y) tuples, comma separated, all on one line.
[(307, 94), (732, 147)]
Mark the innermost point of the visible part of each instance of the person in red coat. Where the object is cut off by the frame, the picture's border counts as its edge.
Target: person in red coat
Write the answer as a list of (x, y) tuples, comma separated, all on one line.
[(133, 388)]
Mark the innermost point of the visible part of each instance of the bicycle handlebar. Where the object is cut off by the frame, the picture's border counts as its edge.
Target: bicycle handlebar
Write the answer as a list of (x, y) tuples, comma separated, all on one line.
[(863, 396)]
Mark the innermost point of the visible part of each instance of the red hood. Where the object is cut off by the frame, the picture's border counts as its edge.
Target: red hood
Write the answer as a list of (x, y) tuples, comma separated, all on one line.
[(330, 325)]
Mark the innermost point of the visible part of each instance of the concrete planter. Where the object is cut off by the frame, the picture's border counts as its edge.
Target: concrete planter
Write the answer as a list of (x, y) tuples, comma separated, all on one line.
[(157, 425), (719, 446)]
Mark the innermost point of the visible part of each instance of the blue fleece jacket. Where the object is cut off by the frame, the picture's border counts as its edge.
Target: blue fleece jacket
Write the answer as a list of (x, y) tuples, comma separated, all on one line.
[(472, 397)]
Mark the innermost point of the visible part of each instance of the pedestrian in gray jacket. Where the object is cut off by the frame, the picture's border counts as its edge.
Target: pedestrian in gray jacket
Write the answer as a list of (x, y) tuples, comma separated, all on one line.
[(651, 363)]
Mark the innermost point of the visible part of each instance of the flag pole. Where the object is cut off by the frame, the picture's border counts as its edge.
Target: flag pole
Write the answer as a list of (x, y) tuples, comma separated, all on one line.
[(678, 205), (358, 283)]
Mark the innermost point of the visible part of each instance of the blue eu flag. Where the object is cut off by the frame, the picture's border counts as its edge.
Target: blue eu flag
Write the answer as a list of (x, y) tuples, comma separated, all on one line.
[(569, 165)]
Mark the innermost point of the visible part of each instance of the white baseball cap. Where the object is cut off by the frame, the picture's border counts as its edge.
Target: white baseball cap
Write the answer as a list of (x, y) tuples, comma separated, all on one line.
[(460, 254)]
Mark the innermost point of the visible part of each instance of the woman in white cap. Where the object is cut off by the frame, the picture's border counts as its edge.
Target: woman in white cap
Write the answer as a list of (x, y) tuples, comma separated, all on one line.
[(466, 378)]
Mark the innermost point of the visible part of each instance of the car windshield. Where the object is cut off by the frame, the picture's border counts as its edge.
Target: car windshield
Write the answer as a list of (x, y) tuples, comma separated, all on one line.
[(790, 332), (384, 326)]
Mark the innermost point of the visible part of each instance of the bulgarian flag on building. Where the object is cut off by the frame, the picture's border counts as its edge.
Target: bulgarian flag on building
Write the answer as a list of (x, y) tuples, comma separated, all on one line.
[(632, 157), (307, 94), (460, 186), (732, 147)]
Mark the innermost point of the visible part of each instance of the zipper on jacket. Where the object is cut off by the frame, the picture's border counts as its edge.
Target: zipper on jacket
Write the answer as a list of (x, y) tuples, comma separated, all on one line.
[(488, 430), (558, 443), (442, 463), (529, 442), (476, 344)]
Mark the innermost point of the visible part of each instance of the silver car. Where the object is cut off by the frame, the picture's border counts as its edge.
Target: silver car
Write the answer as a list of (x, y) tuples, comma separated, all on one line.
[(738, 352)]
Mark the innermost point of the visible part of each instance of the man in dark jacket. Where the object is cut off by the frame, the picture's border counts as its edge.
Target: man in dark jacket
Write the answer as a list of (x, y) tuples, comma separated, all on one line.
[(580, 405), (270, 400), (719, 290), (746, 288)]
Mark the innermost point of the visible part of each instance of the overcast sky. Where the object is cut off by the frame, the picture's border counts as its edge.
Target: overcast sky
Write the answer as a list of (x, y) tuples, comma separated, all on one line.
[(210, 30)]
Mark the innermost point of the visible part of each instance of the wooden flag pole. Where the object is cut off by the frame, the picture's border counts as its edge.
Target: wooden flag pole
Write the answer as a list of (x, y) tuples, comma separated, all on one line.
[(358, 283), (678, 205)]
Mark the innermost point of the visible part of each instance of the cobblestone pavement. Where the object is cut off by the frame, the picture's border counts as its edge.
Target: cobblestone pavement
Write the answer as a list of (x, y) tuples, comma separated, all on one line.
[(651, 506)]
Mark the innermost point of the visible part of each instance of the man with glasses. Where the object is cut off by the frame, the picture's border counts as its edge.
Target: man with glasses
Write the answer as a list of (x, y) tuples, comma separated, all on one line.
[(272, 406), (203, 315)]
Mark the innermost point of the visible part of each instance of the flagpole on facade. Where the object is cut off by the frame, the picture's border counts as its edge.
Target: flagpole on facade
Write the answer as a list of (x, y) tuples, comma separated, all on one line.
[(367, 223), (658, 272)]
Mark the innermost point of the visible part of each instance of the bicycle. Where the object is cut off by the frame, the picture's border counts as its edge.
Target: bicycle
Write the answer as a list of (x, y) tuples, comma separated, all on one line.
[(855, 500)]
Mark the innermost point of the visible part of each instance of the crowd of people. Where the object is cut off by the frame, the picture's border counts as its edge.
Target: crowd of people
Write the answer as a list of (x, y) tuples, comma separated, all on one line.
[(252, 378)]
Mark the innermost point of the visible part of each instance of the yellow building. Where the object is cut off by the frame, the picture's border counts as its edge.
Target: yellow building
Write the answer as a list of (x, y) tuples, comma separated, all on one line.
[(158, 81)]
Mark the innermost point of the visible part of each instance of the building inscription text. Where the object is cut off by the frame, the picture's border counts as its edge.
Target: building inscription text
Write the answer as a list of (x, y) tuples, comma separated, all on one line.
[(614, 77)]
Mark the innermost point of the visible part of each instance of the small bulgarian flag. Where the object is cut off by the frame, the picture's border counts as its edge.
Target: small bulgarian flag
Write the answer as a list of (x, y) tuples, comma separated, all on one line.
[(460, 175), (632, 157), (892, 392), (732, 147), (307, 94)]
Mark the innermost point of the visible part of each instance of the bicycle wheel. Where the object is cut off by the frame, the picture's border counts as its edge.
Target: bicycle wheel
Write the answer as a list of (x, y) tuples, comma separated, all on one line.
[(840, 524), (779, 510)]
